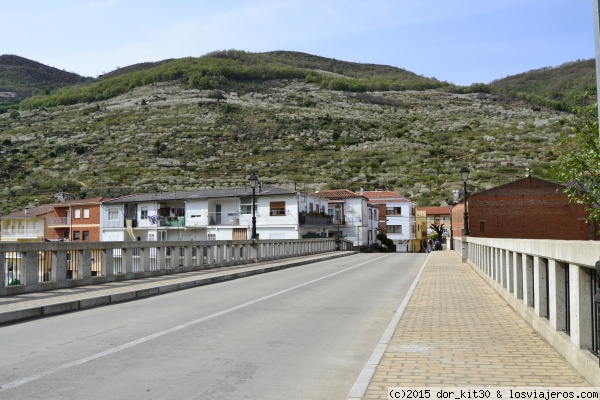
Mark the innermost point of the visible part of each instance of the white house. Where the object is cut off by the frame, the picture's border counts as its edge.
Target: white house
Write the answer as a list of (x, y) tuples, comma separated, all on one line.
[(397, 218), (353, 217), (216, 214)]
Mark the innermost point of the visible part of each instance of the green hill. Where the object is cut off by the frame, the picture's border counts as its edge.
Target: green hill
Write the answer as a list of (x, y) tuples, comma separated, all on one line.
[(20, 78), (296, 120), (551, 87)]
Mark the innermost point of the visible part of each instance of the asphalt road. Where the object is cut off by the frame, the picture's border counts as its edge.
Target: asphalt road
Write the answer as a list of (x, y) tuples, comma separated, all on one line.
[(299, 333)]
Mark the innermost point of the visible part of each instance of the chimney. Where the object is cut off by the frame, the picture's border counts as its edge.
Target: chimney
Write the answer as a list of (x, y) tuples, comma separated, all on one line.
[(362, 191), (26, 209)]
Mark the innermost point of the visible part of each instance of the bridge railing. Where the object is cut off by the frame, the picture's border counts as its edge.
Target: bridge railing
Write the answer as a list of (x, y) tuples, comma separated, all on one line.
[(552, 284), (41, 266)]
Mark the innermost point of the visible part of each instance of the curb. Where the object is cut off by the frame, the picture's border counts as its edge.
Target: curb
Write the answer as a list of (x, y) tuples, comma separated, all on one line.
[(104, 300)]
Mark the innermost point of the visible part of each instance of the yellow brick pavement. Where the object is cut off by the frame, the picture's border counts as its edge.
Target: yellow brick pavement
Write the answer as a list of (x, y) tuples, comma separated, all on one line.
[(457, 331)]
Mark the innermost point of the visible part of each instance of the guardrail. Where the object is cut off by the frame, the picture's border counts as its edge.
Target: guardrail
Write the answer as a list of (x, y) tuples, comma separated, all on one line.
[(39, 266), (553, 285)]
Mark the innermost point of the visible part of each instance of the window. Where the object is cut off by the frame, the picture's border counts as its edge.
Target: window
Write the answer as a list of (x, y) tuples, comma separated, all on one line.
[(86, 213), (212, 236), (77, 212), (277, 208), (393, 210), (445, 219), (76, 235), (310, 207), (144, 213), (86, 235), (481, 226), (246, 205), (113, 214), (394, 228), (437, 219)]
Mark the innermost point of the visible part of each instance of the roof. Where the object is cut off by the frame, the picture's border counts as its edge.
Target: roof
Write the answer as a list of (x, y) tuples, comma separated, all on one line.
[(33, 212), (384, 195), (435, 210), (201, 194), (93, 200), (337, 194)]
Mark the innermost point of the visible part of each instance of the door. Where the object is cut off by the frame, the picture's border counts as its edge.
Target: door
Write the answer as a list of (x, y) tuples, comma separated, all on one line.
[(218, 214)]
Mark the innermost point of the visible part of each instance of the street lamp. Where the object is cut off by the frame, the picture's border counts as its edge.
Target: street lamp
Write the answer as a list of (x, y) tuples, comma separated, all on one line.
[(253, 179), (455, 195), (464, 174), (338, 218)]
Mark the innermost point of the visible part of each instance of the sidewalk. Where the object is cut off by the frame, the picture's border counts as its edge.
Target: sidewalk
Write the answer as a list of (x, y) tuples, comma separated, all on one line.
[(20, 307), (456, 331)]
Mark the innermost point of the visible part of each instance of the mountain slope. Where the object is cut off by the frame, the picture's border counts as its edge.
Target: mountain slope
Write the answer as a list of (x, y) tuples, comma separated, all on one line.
[(24, 77), (551, 87), (166, 136)]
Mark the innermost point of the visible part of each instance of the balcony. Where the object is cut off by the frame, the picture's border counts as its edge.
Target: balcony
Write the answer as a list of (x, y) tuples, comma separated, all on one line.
[(22, 234), (227, 219), (313, 219), (58, 221)]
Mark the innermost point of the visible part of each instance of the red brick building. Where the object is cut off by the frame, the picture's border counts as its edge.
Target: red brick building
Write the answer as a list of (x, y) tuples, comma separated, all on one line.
[(76, 220), (529, 208)]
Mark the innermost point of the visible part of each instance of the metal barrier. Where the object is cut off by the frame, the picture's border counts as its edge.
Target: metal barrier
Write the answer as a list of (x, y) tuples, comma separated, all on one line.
[(40, 266)]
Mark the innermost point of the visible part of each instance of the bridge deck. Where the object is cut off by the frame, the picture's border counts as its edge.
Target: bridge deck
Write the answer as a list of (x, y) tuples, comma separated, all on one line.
[(456, 331)]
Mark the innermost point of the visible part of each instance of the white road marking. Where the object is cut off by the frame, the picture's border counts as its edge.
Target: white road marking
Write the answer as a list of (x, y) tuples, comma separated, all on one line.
[(23, 381)]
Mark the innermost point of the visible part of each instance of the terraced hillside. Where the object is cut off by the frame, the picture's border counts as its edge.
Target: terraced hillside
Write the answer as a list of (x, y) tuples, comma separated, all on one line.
[(292, 132)]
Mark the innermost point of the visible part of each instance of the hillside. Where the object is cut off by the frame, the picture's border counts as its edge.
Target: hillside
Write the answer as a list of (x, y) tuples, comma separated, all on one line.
[(551, 87), (295, 119), (20, 78), (166, 136)]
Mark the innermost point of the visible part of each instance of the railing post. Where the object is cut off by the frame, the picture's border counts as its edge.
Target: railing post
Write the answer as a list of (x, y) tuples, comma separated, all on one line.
[(29, 261), (200, 256), (189, 259), (58, 268), (127, 257), (580, 284), (145, 259), (539, 279), (557, 296), (161, 258), (528, 282), (108, 262), (518, 275), (84, 264), (464, 249)]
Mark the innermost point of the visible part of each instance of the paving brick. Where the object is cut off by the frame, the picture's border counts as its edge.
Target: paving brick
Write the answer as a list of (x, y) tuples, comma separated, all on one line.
[(457, 331)]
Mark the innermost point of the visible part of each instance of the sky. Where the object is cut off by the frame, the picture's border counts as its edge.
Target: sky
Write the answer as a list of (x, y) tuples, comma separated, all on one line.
[(457, 41)]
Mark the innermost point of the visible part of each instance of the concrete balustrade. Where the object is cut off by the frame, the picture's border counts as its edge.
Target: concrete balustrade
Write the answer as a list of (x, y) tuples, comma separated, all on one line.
[(39, 266), (551, 284)]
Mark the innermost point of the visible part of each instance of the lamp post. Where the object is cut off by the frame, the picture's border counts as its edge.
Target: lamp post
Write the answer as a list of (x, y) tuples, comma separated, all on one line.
[(338, 217), (464, 174), (253, 179)]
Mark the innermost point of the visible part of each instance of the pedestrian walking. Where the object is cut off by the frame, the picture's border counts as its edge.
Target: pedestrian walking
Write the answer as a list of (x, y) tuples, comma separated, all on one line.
[(429, 245)]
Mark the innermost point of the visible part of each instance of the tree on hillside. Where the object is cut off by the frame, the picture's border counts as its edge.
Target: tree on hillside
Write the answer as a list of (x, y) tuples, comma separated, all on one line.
[(579, 162)]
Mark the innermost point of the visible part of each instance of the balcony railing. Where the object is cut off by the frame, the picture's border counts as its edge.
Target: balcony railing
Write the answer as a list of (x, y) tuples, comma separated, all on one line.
[(58, 221), (224, 218), (22, 233), (315, 219)]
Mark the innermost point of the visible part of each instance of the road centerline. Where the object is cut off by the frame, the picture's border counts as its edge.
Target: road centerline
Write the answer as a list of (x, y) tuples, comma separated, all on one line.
[(20, 382)]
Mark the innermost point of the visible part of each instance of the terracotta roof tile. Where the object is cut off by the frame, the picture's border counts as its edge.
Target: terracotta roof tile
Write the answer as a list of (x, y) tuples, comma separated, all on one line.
[(337, 194), (435, 210)]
